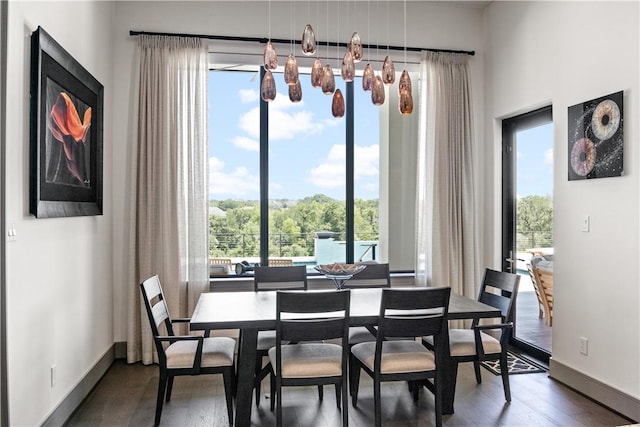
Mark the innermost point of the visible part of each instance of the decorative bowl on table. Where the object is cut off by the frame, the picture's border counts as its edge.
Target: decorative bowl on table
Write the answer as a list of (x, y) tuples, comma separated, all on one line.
[(340, 273)]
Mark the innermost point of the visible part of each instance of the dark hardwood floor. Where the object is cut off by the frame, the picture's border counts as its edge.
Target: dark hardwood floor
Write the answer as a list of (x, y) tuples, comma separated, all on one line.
[(126, 397)]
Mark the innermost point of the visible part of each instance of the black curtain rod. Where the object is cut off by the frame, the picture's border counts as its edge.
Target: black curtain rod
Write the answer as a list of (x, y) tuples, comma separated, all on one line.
[(264, 40)]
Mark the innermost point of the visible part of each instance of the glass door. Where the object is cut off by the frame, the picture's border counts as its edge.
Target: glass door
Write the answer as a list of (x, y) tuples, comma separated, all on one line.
[(528, 220)]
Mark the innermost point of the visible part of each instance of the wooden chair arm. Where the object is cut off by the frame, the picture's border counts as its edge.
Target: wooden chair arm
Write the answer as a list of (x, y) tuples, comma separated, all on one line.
[(195, 369), (504, 337)]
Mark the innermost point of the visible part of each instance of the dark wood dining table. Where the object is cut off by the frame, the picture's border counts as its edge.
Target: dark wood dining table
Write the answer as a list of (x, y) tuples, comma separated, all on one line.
[(251, 312)]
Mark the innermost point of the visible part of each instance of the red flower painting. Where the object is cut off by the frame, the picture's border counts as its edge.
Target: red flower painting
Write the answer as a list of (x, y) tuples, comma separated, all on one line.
[(67, 128)]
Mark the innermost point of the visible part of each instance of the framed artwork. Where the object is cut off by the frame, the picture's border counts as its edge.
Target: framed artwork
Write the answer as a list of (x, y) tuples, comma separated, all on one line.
[(596, 142), (65, 133)]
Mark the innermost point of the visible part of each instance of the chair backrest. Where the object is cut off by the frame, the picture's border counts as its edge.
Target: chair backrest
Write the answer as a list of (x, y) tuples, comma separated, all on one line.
[(544, 281), (373, 276), (156, 306), (312, 316), (280, 278), (410, 313), (499, 290)]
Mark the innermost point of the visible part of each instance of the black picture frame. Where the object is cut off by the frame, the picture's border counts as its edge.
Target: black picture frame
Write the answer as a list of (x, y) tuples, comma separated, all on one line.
[(596, 138), (66, 131)]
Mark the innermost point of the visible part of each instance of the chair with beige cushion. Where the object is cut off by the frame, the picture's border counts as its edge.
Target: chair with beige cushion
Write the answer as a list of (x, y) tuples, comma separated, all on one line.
[(373, 276), (404, 313), (308, 319), (186, 354), (269, 279), (499, 290)]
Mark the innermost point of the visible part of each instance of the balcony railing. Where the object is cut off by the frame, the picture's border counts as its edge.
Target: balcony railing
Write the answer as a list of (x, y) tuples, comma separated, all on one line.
[(534, 239)]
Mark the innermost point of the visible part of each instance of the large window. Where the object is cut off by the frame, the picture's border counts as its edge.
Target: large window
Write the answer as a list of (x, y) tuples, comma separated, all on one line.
[(308, 206)]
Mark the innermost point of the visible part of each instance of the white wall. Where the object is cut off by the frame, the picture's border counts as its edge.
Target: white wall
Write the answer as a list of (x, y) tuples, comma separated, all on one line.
[(428, 25), (566, 53), (59, 271)]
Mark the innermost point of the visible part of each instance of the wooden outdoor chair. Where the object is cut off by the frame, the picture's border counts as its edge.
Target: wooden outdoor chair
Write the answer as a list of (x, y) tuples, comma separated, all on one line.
[(544, 287)]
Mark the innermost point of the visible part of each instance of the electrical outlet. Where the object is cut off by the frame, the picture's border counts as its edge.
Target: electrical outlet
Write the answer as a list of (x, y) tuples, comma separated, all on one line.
[(584, 346), (584, 226), (53, 376)]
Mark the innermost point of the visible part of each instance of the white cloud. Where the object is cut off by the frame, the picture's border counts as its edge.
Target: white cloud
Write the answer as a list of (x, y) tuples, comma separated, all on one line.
[(286, 120), (548, 156), (248, 95), (246, 143), (331, 172), (237, 183)]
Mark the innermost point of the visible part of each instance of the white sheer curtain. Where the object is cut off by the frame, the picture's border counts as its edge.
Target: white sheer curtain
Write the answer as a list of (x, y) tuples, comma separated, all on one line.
[(168, 227), (447, 236)]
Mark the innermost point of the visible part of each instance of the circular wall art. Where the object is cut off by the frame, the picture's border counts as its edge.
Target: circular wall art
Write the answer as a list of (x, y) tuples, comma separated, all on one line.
[(596, 142)]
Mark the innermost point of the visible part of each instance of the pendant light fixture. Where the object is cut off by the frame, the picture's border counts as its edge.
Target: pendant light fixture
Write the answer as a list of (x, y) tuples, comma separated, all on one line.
[(317, 73), (308, 41), (405, 99), (295, 92), (367, 74), (337, 104), (355, 47), (377, 91), (388, 69), (291, 66), (328, 79), (268, 87)]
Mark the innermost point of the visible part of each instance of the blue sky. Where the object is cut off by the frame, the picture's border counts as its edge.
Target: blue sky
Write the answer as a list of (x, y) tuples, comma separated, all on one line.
[(307, 151), (534, 150), (307, 143)]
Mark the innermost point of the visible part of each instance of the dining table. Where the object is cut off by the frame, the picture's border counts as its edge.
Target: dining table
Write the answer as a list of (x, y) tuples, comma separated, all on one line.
[(251, 312)]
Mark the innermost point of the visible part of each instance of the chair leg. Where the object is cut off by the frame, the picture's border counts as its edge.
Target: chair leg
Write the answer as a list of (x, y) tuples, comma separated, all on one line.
[(476, 368), (354, 380), (258, 380), (227, 377), (504, 370), (272, 386), (338, 394), (279, 403), (377, 403), (438, 400), (320, 393), (169, 389), (345, 403), (415, 390), (162, 387)]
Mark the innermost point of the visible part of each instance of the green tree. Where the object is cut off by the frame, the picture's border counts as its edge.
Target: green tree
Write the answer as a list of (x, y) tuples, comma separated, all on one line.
[(534, 217)]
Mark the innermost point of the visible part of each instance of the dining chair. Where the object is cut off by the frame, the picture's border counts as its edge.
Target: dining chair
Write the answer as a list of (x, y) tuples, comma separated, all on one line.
[(270, 279), (185, 354), (499, 290), (308, 319), (373, 276), (396, 355)]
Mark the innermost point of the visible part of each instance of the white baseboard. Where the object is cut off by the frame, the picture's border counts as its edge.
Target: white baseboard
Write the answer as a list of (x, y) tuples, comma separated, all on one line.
[(76, 396), (608, 396)]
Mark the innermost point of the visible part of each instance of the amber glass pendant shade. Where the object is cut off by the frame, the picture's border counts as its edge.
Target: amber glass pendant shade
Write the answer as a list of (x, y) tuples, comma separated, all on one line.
[(405, 103), (348, 69), (295, 92), (270, 57), (291, 70), (328, 80), (405, 82), (337, 104), (268, 88), (317, 73), (367, 78), (388, 71), (355, 47), (377, 91), (308, 41)]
